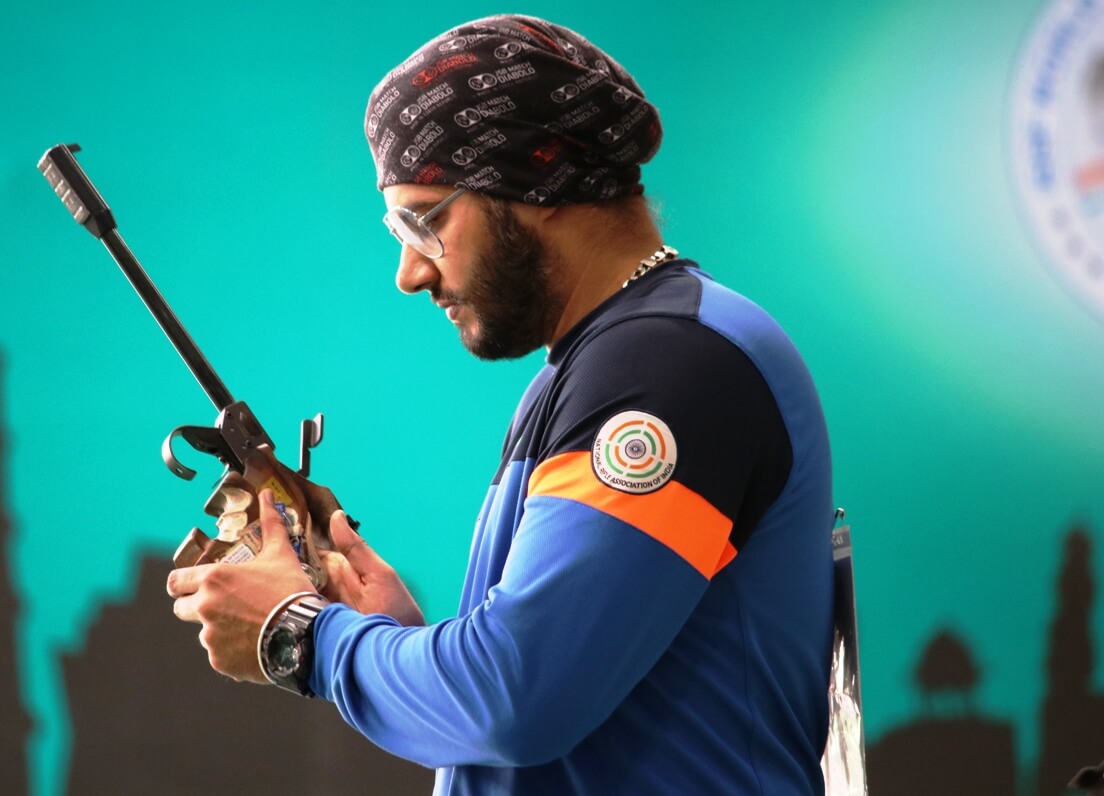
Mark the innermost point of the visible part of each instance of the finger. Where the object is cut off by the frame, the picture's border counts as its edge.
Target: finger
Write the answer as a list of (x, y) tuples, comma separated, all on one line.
[(182, 582), (184, 609), (338, 573), (337, 566)]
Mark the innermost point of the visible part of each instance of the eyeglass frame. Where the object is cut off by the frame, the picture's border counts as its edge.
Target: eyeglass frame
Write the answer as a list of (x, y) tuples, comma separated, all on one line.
[(421, 222)]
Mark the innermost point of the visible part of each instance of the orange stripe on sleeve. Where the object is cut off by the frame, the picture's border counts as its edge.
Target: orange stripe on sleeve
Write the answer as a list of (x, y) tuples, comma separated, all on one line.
[(674, 515)]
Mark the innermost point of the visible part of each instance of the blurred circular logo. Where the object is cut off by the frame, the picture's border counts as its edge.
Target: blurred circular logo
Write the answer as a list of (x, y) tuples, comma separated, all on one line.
[(1058, 143)]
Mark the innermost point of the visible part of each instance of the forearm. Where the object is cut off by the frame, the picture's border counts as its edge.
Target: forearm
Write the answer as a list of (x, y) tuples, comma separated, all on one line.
[(578, 619)]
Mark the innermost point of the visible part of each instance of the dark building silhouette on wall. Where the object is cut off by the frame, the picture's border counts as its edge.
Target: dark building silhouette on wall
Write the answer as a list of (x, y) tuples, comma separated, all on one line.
[(150, 716), (950, 749), (1072, 728), (15, 724)]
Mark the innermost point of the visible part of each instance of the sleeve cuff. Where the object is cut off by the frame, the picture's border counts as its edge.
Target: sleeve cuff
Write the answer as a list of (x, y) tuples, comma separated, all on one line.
[(336, 628)]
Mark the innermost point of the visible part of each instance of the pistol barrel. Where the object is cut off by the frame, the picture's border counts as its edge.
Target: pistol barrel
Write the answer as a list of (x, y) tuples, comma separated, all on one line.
[(172, 327), (84, 202)]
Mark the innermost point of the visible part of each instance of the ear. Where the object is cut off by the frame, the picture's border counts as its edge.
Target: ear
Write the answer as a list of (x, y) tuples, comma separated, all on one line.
[(534, 216)]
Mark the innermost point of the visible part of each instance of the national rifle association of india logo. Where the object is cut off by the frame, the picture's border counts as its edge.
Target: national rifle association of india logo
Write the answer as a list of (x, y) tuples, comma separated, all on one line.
[(1058, 143), (634, 452)]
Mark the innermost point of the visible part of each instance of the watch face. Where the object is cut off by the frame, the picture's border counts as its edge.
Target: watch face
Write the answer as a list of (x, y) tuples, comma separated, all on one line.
[(284, 653)]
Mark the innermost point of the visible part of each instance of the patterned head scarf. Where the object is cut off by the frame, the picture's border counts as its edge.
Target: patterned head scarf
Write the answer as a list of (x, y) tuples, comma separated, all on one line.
[(513, 107)]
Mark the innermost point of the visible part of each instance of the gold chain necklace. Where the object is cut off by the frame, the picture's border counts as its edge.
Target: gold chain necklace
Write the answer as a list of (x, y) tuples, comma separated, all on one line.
[(647, 264)]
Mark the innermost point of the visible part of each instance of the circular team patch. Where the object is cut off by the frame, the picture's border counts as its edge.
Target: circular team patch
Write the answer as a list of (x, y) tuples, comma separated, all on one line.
[(634, 452)]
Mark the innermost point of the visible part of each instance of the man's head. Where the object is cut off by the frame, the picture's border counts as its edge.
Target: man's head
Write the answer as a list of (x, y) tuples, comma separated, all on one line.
[(513, 107), (542, 132)]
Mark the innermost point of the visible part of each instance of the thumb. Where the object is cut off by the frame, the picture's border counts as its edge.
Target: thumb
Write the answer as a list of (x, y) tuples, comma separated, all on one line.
[(351, 544), (273, 529), (343, 535)]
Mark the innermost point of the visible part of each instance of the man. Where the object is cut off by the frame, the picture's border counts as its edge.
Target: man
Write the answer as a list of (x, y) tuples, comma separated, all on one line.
[(648, 602)]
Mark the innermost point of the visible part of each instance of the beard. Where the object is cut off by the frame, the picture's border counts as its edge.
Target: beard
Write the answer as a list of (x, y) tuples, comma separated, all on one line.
[(509, 290)]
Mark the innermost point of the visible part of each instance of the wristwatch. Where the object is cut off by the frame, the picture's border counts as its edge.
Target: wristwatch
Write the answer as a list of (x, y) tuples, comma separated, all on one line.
[(285, 648)]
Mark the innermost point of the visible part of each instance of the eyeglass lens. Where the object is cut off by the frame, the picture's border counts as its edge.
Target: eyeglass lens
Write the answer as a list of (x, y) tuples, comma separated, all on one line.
[(412, 229)]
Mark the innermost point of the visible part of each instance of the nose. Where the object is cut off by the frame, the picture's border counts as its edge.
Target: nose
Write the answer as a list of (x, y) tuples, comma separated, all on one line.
[(416, 272)]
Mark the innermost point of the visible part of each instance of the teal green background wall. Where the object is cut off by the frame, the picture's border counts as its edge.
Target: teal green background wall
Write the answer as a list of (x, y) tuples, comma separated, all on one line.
[(844, 164)]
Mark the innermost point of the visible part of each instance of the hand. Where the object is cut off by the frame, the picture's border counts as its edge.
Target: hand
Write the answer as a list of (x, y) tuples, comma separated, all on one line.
[(232, 601), (362, 580)]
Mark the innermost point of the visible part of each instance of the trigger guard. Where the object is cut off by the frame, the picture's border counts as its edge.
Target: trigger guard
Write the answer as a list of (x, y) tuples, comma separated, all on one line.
[(167, 456)]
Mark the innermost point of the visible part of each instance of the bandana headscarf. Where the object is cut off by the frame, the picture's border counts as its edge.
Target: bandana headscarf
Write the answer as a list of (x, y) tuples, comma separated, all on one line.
[(513, 107)]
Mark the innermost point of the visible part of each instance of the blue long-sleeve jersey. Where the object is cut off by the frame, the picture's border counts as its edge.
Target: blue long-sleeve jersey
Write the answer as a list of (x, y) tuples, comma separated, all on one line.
[(648, 602)]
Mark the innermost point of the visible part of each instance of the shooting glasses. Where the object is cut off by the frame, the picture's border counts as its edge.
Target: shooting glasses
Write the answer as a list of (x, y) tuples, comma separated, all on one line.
[(411, 229)]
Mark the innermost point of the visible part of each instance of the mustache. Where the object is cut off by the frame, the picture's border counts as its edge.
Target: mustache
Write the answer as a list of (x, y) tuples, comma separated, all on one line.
[(437, 296)]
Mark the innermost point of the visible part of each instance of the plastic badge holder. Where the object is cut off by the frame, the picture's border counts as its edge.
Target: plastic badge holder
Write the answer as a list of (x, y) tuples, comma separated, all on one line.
[(844, 760)]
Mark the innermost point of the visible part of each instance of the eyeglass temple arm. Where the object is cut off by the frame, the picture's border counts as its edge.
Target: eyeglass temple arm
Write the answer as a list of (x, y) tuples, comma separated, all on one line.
[(445, 203)]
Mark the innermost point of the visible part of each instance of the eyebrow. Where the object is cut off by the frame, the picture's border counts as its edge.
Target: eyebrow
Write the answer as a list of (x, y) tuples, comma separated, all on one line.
[(422, 207)]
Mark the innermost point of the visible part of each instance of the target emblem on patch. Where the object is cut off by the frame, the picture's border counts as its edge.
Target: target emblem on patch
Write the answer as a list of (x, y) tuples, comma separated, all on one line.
[(634, 452)]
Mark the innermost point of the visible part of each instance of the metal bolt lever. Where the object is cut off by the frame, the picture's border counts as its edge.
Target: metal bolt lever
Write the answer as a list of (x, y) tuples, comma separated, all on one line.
[(309, 437)]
